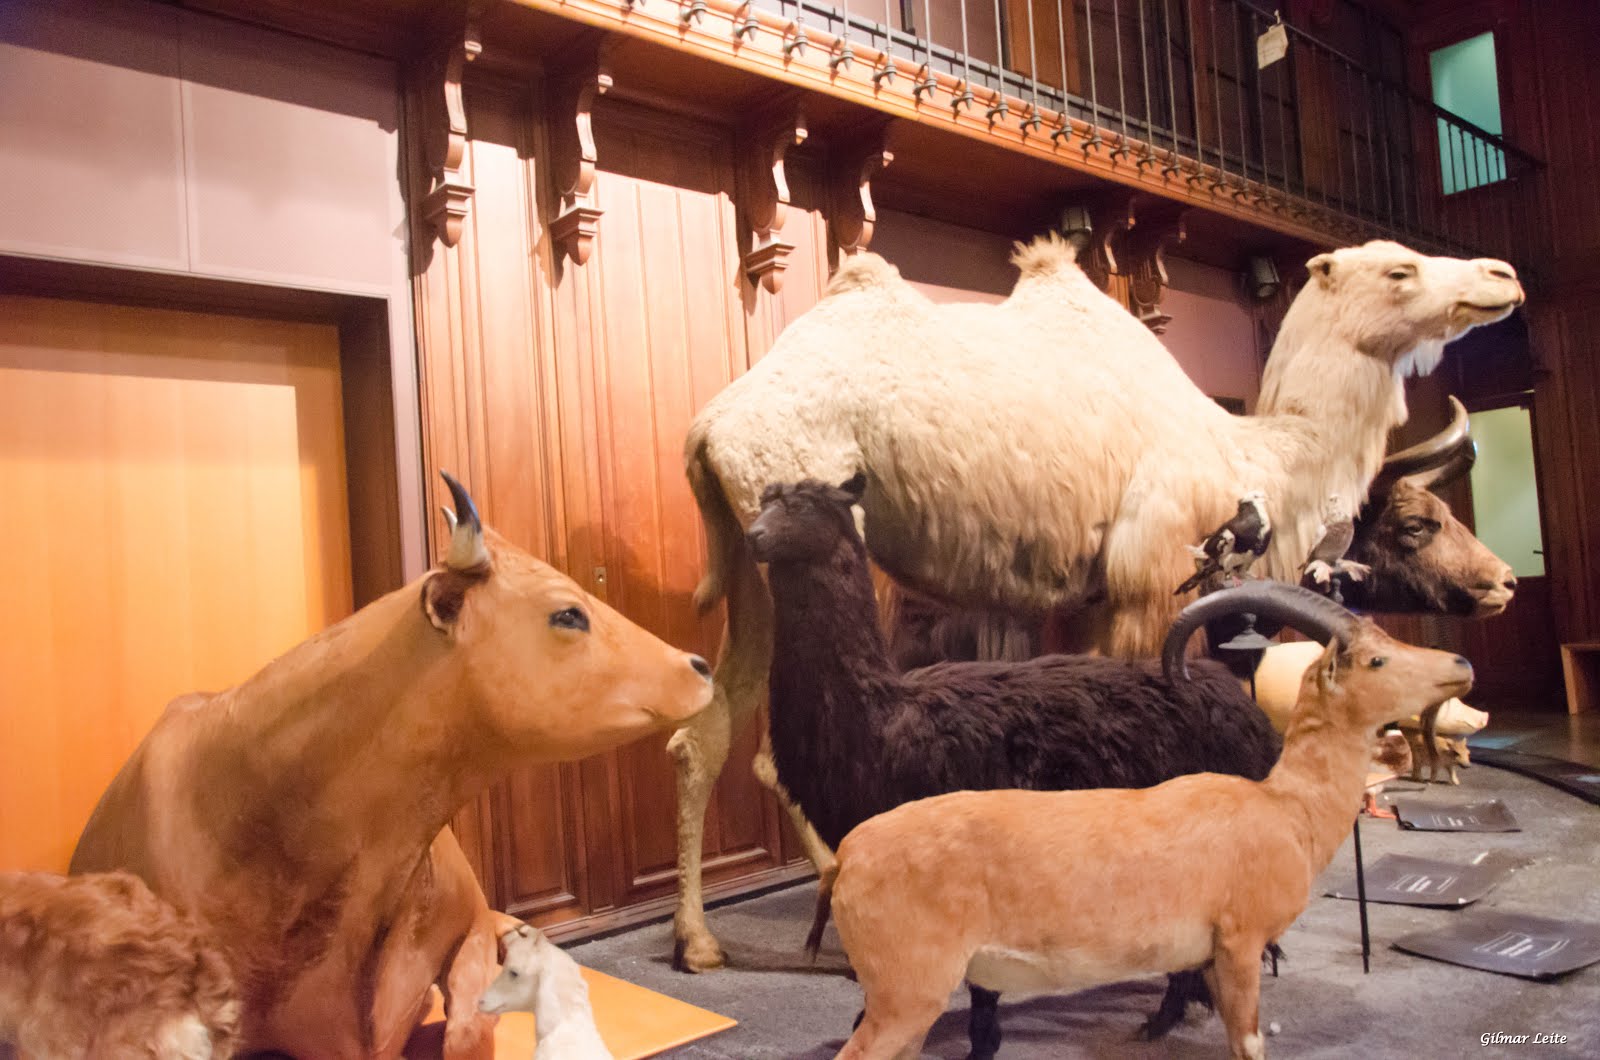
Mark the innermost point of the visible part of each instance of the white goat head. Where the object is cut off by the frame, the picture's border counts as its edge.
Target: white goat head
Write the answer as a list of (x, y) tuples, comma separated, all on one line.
[(529, 955), (1394, 303)]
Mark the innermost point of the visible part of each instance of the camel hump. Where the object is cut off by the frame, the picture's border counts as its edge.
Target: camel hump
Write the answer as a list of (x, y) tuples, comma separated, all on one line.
[(863, 271), (1044, 255)]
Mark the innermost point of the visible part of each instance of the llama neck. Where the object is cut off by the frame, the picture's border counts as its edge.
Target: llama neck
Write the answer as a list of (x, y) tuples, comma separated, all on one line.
[(826, 634), (562, 1000), (1320, 776), (340, 742)]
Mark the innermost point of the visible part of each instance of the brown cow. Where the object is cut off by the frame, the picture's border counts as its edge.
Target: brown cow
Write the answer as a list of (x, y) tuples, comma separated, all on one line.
[(301, 815)]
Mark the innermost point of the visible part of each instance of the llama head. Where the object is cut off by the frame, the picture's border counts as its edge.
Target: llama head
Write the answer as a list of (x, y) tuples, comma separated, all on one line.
[(805, 520), (518, 983)]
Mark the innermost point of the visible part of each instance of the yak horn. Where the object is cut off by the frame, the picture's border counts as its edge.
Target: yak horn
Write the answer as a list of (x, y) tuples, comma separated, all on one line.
[(1427, 454), (1450, 470), (467, 550), (1311, 613)]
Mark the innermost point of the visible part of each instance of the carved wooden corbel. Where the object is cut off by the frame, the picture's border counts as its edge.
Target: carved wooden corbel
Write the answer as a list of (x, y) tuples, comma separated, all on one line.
[(1096, 224), (1144, 249), (449, 197), (572, 146), (767, 142), (851, 172)]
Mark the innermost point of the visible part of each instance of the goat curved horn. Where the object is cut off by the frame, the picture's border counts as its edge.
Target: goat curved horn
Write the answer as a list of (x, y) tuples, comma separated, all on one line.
[(1429, 453), (467, 550), (1310, 613)]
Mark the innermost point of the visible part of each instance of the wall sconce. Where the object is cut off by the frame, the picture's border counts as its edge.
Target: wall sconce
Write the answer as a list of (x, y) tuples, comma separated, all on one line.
[(1261, 279), (1077, 226)]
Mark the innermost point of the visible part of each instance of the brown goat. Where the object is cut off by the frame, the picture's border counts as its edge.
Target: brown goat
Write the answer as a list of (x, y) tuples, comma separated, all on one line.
[(100, 968), (1008, 889)]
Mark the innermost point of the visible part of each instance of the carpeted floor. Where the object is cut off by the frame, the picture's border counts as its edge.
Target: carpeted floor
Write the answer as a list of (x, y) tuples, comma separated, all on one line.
[(1322, 1003)]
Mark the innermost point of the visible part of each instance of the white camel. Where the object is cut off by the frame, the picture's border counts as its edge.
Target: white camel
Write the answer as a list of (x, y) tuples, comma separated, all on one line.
[(1046, 453)]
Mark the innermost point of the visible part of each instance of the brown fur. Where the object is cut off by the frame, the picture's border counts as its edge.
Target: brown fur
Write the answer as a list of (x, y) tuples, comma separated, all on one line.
[(1066, 890), (301, 816), (98, 967)]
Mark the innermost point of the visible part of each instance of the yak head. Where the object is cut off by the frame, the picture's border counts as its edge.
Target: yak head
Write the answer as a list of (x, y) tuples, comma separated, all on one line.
[(1423, 558)]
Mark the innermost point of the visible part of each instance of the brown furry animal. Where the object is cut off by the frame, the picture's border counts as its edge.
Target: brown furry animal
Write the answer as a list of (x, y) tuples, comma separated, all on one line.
[(98, 967), (1008, 889)]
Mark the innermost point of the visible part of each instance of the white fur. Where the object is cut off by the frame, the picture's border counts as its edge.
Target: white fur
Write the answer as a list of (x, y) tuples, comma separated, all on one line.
[(540, 978)]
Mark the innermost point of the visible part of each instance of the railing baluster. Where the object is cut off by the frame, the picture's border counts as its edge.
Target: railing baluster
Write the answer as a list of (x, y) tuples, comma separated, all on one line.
[(1144, 74), (1122, 95), (1282, 75), (1094, 139), (1372, 150), (1261, 107), (1061, 41), (1172, 87), (1237, 48), (1216, 98), (1194, 91), (1033, 70), (1388, 174)]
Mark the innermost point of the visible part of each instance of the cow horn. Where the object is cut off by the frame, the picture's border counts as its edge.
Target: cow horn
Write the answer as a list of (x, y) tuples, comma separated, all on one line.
[(1428, 454), (467, 550), (1311, 613)]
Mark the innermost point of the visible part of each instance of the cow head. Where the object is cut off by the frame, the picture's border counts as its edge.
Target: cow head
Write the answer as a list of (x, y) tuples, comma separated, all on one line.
[(1423, 558), (552, 673)]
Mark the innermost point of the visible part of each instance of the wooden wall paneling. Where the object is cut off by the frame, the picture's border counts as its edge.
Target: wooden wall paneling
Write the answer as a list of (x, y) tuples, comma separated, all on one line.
[(665, 276), (805, 230)]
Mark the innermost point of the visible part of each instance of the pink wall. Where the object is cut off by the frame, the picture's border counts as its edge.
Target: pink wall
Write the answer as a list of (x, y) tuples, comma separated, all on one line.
[(1212, 333)]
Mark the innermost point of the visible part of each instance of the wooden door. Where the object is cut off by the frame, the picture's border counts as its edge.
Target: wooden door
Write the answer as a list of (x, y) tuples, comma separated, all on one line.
[(173, 503)]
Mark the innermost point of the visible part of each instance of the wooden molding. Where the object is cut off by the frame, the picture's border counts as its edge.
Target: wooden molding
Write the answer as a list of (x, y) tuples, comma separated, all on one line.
[(766, 199), (575, 89), (1158, 225), (853, 167), (449, 197), (1111, 215)]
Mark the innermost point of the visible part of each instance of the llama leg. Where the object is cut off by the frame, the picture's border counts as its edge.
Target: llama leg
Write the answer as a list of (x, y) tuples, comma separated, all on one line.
[(766, 772), (1236, 984), (1182, 988), (894, 1037), (983, 1025)]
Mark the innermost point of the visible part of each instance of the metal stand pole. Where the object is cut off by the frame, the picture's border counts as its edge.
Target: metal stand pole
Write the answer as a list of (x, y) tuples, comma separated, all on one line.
[(1361, 901)]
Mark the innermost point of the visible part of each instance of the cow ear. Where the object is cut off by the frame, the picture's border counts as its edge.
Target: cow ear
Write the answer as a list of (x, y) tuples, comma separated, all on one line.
[(1321, 269), (444, 593)]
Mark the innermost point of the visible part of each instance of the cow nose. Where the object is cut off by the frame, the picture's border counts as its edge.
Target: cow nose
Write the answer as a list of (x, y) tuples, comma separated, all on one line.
[(1461, 661), (754, 535), (701, 667), (1511, 583)]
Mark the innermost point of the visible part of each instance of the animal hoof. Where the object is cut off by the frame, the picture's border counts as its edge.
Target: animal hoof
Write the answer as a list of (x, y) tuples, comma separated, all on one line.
[(701, 953)]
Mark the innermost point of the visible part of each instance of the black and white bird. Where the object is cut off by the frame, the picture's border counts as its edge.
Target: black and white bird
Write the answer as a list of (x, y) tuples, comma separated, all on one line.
[(1334, 537), (1234, 545)]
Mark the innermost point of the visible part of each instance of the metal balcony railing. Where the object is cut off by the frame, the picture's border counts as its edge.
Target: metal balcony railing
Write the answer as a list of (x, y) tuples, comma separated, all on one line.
[(1174, 86)]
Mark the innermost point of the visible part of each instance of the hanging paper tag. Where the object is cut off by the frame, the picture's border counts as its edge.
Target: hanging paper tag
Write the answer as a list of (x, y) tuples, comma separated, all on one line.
[(1272, 45)]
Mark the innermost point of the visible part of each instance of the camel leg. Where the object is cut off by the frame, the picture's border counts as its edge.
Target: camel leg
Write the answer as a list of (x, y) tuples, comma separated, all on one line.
[(700, 749), (1236, 984), (766, 772), (897, 1037)]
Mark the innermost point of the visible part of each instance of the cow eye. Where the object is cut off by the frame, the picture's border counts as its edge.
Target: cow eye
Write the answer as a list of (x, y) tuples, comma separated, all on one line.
[(1402, 272), (1376, 662), (570, 618), (513, 973)]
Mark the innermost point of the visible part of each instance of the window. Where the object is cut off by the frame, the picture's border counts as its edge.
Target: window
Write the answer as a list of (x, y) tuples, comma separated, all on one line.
[(1505, 495), (1466, 83)]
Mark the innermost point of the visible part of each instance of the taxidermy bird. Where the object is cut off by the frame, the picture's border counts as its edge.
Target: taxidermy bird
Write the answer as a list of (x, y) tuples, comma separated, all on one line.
[(1334, 537), (1234, 545)]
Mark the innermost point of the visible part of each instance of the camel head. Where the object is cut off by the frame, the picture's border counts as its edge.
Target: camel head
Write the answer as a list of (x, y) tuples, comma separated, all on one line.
[(549, 672), (1389, 301)]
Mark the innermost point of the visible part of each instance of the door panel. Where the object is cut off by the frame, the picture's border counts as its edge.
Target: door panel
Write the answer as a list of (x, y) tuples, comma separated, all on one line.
[(175, 503)]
